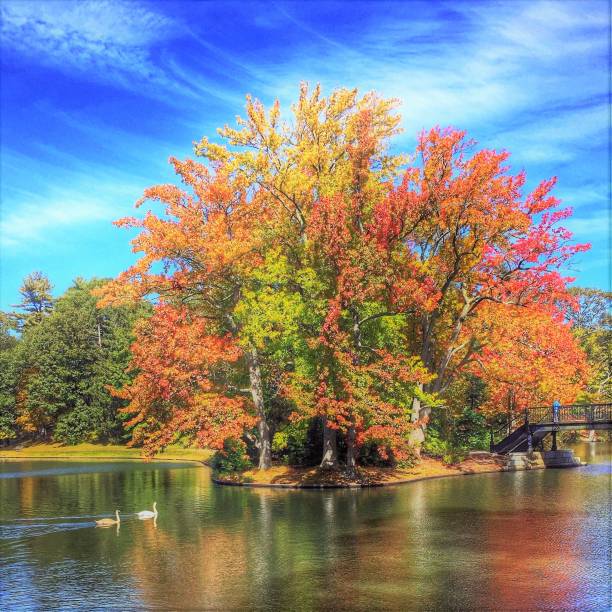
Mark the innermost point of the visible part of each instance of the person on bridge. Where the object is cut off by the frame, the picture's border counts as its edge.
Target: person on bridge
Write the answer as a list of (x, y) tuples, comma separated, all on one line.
[(556, 406)]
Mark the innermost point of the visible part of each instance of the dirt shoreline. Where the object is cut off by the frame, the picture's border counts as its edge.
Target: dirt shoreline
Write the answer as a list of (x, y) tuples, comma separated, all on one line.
[(287, 477), (371, 485)]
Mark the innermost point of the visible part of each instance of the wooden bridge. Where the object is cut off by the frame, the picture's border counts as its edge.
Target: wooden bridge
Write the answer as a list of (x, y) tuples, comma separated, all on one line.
[(527, 429)]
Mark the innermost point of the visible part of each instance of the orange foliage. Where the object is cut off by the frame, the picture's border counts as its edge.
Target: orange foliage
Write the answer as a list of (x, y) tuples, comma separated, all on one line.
[(194, 258), (205, 239), (461, 221), (468, 264), (531, 355), (184, 382)]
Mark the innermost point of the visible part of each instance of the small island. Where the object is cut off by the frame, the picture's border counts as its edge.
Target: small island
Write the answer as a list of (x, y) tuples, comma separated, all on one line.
[(284, 476)]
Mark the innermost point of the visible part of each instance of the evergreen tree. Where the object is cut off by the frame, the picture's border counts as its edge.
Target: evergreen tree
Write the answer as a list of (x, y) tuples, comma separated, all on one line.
[(8, 378), (36, 300), (69, 361)]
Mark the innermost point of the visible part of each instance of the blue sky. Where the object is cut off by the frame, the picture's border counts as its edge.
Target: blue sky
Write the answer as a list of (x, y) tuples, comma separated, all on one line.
[(96, 95)]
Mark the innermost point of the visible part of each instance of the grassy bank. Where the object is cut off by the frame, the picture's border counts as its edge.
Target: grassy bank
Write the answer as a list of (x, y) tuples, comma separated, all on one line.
[(52, 450)]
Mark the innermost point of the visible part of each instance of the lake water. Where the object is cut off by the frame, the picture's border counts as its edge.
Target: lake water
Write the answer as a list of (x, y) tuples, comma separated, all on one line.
[(535, 540)]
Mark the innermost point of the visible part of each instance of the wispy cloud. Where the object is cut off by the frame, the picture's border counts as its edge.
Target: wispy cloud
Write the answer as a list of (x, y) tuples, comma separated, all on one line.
[(473, 65), (112, 41), (586, 197), (595, 227), (569, 134), (38, 221), (38, 211)]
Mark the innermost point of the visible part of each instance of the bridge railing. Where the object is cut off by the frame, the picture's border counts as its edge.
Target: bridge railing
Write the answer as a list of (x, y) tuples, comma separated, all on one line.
[(512, 422), (569, 413)]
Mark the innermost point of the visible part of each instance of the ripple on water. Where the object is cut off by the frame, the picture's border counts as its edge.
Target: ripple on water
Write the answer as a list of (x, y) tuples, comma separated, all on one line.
[(20, 532)]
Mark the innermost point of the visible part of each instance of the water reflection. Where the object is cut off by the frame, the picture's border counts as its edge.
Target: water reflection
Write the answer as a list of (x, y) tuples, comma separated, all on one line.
[(522, 541)]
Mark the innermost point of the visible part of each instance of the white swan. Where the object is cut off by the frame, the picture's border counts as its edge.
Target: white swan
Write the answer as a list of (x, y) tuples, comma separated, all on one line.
[(147, 514), (107, 522)]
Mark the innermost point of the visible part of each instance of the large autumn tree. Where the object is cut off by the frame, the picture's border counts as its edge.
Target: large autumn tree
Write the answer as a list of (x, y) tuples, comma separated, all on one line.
[(209, 239), (463, 218), (353, 285), (259, 205), (322, 176)]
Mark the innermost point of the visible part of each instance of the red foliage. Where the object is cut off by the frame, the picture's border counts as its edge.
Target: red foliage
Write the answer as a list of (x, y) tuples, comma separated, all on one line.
[(460, 229)]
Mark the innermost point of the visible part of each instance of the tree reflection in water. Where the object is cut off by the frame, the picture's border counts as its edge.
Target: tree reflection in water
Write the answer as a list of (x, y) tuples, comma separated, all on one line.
[(511, 541)]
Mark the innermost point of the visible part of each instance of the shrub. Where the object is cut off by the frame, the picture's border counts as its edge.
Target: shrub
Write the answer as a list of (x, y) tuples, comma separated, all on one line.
[(434, 445), (471, 431), (410, 461), (369, 455), (455, 455), (233, 457), (451, 439)]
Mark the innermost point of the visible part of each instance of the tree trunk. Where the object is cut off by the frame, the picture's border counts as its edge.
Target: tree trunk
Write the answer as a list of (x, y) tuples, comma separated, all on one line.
[(417, 435), (351, 452), (510, 411), (330, 447), (265, 454)]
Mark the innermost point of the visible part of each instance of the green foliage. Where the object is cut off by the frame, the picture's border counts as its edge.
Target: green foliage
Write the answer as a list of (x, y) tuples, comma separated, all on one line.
[(8, 389), (299, 443), (592, 326), (446, 450), (83, 424), (455, 455), (68, 361), (233, 457), (435, 445), (7, 329), (450, 437), (471, 431)]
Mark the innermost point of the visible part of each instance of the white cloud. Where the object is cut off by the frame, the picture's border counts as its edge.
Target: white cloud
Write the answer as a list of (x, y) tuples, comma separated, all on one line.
[(594, 228), (500, 63), (92, 22), (561, 137), (585, 198), (521, 74)]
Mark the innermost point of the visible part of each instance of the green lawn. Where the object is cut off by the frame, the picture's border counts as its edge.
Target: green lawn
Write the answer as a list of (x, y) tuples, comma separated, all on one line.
[(99, 451)]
